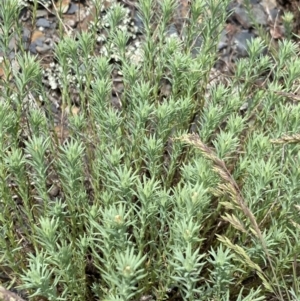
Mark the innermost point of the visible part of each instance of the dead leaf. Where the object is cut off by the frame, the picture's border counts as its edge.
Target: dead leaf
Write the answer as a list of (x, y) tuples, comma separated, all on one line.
[(276, 32), (61, 132), (36, 35), (63, 6), (74, 110)]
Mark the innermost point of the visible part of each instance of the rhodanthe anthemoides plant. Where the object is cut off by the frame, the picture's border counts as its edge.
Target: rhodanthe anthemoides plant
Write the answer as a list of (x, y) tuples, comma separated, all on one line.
[(179, 186)]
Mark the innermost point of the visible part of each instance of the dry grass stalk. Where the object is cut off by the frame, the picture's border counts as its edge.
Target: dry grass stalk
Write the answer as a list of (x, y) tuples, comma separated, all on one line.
[(287, 139), (231, 186), (221, 169)]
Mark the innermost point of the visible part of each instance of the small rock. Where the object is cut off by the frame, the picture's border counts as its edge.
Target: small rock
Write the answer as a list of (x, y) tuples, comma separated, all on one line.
[(172, 31), (259, 15), (53, 25), (48, 41), (54, 191), (40, 13), (72, 9), (71, 23), (39, 42), (116, 103), (55, 38), (244, 106), (230, 8), (241, 15), (43, 49), (26, 36), (241, 40), (12, 43), (42, 22), (146, 298), (12, 55), (32, 48)]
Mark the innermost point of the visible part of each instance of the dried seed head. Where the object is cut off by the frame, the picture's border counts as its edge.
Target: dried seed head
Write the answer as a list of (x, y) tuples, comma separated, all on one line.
[(118, 219)]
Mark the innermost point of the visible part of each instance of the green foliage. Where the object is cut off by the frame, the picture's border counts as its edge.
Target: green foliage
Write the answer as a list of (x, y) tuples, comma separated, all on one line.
[(193, 192)]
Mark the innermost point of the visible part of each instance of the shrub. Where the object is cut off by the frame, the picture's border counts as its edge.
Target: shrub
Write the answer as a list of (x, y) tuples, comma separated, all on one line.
[(189, 194)]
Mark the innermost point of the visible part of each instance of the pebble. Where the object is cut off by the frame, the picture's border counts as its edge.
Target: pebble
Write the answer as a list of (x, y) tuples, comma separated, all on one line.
[(269, 4), (41, 13), (12, 43), (54, 191), (71, 23), (259, 15), (72, 9), (42, 22), (172, 31), (240, 41), (37, 43), (43, 49), (241, 15)]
